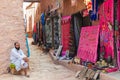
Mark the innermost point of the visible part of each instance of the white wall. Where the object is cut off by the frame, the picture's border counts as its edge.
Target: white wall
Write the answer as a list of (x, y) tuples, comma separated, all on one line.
[(29, 12)]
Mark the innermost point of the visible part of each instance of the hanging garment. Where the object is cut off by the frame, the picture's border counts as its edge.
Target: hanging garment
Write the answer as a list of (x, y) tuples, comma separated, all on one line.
[(35, 28), (77, 30), (118, 12), (106, 11), (78, 22), (86, 21), (106, 39), (43, 32), (38, 30), (108, 51), (48, 29), (94, 11), (56, 32), (72, 44), (43, 19), (34, 32), (106, 34), (43, 27), (118, 52), (65, 33), (37, 33), (118, 48)]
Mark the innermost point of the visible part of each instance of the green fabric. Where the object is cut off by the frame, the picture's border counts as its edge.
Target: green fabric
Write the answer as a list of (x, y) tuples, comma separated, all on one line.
[(12, 66), (116, 25), (116, 28)]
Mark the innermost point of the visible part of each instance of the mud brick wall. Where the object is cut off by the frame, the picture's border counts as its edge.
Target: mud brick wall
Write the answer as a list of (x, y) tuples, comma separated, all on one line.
[(11, 29), (68, 9), (45, 3)]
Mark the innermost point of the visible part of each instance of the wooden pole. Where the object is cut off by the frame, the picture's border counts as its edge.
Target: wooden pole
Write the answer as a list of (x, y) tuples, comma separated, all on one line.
[(52, 33), (115, 48)]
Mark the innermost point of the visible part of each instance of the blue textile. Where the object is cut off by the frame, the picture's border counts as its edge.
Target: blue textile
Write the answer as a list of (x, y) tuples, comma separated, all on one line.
[(43, 19), (27, 45), (93, 13)]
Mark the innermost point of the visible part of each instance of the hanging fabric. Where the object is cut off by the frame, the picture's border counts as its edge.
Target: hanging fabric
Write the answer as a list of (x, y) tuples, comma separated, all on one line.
[(35, 33), (42, 17), (118, 48), (94, 12), (118, 12), (56, 31), (77, 29), (65, 33), (79, 21), (118, 39), (48, 29), (106, 31)]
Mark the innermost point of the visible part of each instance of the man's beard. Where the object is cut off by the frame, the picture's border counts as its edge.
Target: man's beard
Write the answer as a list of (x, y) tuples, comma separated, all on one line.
[(17, 48)]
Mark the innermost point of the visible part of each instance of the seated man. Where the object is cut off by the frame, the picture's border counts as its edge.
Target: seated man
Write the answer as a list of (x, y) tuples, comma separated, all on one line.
[(19, 59)]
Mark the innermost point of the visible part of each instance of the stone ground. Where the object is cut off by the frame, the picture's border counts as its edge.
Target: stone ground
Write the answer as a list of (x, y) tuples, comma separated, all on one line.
[(42, 68), (116, 75)]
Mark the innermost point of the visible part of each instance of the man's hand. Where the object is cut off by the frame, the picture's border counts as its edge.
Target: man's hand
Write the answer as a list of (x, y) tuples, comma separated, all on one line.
[(26, 59)]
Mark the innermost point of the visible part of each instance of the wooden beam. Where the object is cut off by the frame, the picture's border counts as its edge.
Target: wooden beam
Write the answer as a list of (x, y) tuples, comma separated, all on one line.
[(31, 0), (29, 5)]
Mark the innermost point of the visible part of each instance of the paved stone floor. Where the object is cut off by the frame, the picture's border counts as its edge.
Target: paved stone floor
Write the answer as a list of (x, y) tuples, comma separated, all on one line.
[(42, 68)]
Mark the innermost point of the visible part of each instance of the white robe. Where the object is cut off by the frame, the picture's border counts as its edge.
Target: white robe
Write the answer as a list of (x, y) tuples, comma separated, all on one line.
[(16, 57)]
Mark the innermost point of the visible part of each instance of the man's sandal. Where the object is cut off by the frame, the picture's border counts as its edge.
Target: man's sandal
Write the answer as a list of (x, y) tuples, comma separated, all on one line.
[(27, 76)]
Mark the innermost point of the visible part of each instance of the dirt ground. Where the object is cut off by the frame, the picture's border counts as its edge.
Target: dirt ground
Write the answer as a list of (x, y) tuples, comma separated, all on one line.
[(42, 68)]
